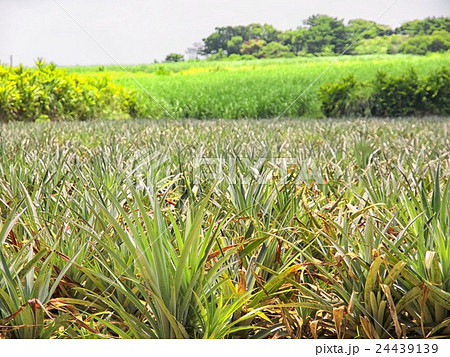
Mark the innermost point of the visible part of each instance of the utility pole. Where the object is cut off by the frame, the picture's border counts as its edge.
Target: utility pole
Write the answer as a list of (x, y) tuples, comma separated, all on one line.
[(11, 60)]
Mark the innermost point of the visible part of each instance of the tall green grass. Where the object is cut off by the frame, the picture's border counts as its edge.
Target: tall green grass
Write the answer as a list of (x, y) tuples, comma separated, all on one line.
[(253, 89)]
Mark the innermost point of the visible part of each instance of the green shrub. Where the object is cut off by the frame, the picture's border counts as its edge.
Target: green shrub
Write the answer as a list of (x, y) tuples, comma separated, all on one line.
[(388, 95), (347, 98), (436, 92), (396, 96), (49, 93), (408, 94)]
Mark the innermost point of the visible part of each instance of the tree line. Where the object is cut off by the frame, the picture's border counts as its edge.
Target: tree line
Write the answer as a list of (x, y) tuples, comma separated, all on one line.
[(325, 35)]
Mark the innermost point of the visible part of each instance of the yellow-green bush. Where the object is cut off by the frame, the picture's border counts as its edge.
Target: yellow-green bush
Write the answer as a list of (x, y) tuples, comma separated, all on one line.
[(49, 93)]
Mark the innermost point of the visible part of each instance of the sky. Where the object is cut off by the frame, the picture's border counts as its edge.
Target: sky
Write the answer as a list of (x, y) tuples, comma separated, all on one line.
[(91, 32)]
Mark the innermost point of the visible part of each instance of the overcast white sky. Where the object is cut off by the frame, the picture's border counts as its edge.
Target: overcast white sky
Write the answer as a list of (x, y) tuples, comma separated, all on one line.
[(139, 31)]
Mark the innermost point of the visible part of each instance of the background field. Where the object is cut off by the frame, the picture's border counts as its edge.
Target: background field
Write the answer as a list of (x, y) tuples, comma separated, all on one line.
[(253, 89)]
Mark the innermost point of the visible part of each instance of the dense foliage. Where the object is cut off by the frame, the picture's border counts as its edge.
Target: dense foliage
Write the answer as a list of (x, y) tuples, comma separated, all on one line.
[(388, 95), (110, 230), (325, 35), (48, 93)]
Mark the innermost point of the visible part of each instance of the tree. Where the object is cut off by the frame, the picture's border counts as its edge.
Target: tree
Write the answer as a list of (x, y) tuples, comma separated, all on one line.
[(325, 32), (223, 37), (234, 45), (274, 50), (174, 57), (424, 27), (252, 47), (368, 29), (295, 39), (264, 32), (213, 43), (219, 39)]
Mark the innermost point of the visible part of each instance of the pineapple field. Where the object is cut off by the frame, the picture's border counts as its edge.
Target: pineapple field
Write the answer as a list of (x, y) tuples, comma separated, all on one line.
[(327, 228)]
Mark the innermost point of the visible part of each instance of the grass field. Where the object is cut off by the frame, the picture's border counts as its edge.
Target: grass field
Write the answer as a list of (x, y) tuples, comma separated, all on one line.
[(253, 89), (227, 229)]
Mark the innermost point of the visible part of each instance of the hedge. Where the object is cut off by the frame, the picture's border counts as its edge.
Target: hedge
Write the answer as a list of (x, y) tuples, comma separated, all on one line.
[(388, 95)]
